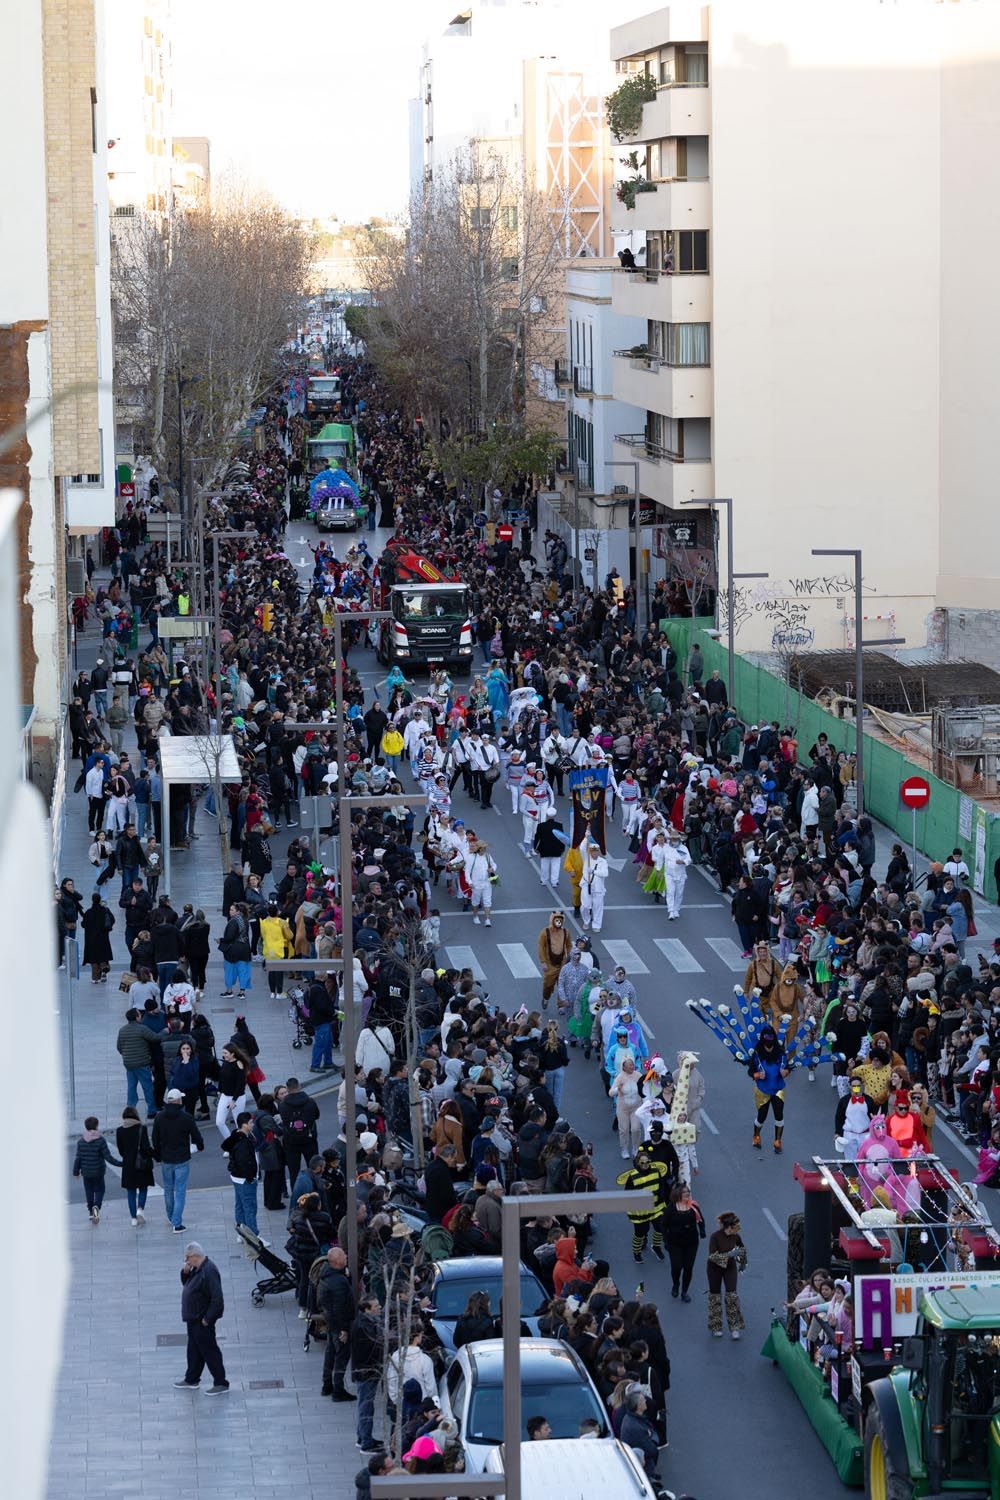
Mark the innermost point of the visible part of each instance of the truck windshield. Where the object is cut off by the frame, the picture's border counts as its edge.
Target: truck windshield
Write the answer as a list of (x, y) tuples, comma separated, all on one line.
[(431, 604), (324, 385)]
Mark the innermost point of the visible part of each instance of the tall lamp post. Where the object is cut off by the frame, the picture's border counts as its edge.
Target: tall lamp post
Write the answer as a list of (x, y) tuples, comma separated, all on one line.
[(859, 663), (731, 577), (633, 464)]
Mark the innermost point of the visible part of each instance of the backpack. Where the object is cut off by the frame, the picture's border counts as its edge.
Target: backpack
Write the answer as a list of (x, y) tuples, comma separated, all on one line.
[(436, 1242), (297, 1121)]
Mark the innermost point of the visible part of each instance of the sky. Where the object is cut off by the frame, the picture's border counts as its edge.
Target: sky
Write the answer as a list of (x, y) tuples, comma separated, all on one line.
[(307, 98)]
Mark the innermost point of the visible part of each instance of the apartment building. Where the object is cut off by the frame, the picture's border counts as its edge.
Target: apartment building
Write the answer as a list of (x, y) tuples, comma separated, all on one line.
[(813, 225), (55, 324)]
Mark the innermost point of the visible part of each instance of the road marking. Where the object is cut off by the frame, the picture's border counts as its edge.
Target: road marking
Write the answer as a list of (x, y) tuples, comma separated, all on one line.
[(518, 960), (707, 1120), (727, 950), (465, 958), (769, 1216), (621, 952), (615, 864), (678, 957)]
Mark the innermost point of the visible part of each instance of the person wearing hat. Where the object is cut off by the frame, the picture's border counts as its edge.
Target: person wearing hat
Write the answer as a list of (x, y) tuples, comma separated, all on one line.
[(646, 1175), (593, 885), (550, 843), (906, 1128), (676, 859), (769, 1068), (480, 872)]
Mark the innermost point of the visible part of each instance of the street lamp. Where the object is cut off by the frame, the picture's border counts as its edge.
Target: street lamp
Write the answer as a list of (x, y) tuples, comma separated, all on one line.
[(859, 663), (731, 577), (633, 464)]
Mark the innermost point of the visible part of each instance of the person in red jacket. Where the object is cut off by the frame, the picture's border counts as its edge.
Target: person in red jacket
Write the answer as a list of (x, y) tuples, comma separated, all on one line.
[(906, 1127), (566, 1269)]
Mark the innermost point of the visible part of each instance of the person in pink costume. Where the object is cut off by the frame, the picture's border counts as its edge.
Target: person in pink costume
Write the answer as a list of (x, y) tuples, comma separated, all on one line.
[(875, 1153)]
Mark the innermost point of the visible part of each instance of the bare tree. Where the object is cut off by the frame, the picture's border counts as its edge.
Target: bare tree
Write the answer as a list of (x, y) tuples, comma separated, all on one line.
[(694, 569)]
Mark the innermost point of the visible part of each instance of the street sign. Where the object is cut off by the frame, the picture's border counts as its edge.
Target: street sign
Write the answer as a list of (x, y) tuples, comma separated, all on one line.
[(505, 533), (519, 517), (647, 513), (590, 554), (914, 792), (480, 518), (126, 489)]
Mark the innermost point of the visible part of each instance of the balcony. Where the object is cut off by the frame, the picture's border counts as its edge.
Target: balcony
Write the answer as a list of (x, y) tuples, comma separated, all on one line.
[(665, 297), (677, 203), (678, 109), (674, 390), (665, 27), (664, 477), (561, 371), (583, 380)]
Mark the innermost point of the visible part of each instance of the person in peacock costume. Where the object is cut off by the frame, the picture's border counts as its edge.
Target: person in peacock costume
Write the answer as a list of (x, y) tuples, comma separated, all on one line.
[(769, 1054)]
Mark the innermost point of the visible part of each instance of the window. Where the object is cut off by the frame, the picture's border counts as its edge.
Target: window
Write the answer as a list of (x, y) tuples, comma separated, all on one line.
[(479, 218), (691, 251), (508, 267), (679, 343), (510, 216), (93, 121), (693, 62)]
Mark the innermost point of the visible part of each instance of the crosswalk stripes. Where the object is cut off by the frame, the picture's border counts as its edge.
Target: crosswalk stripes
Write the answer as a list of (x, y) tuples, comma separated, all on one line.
[(464, 958), (621, 952), (519, 961), (678, 957), (730, 954)]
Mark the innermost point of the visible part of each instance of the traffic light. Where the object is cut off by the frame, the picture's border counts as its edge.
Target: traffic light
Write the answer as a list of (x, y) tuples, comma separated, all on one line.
[(267, 618)]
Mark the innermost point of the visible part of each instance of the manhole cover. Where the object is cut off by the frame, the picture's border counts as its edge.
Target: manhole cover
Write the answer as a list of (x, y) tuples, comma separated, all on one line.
[(267, 1385)]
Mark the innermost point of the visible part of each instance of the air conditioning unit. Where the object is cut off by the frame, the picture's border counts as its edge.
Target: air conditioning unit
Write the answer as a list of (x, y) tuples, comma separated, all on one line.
[(76, 576)]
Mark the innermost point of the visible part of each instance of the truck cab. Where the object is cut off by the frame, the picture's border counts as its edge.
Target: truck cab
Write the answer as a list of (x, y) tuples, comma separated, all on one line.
[(430, 625), (323, 394), (932, 1425)]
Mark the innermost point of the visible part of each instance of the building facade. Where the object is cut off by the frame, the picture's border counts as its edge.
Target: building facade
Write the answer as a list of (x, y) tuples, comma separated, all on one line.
[(818, 201)]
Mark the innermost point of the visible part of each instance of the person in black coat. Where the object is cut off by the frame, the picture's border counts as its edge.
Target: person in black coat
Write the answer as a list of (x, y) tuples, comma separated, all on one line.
[(97, 922), (335, 1299), (439, 1183), (195, 948), (233, 888), (136, 1152)]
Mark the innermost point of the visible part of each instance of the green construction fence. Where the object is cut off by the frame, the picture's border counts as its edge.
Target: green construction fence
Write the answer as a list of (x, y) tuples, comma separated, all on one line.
[(950, 820)]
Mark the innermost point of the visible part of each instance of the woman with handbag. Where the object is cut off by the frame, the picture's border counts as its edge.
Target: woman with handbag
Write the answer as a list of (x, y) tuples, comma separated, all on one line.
[(97, 922), (235, 946), (136, 1154)]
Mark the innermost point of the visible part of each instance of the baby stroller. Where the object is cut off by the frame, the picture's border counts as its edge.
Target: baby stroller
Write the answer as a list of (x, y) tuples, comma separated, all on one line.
[(299, 1014), (282, 1277)]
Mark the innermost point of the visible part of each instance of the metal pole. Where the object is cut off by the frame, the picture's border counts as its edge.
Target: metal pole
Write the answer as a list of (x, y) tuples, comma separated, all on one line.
[(315, 803), (510, 1239), (72, 961), (637, 544), (349, 1030), (859, 685), (577, 569), (180, 453), (913, 877), (731, 601)]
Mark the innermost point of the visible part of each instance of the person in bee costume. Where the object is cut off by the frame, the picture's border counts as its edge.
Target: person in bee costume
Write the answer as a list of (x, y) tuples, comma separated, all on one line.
[(654, 1177)]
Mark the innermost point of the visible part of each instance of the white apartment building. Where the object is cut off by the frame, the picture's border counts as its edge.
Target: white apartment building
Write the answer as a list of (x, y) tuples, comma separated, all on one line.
[(820, 306), (140, 106), (590, 506)]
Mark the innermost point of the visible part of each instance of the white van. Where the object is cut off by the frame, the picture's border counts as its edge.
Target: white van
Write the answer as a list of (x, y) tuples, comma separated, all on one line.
[(552, 1470)]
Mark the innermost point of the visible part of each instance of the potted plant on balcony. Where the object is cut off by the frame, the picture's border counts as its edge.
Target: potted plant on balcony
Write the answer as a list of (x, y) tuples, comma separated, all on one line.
[(623, 108)]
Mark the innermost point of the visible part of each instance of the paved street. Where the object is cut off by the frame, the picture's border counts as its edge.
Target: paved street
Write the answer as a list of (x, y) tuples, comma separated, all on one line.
[(274, 1429)]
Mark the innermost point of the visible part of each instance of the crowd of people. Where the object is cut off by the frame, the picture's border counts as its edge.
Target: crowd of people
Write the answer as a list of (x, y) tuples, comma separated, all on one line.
[(464, 1082)]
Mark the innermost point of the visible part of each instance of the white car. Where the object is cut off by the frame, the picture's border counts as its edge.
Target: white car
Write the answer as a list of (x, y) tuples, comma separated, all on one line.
[(554, 1384), (599, 1466)]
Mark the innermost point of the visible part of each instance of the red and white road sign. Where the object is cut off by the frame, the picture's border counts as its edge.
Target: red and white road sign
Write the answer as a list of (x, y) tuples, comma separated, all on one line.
[(126, 489), (505, 533), (914, 792)]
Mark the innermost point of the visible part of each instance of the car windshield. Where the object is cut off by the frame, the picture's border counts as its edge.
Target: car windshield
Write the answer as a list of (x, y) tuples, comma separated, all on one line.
[(564, 1406), (450, 1297), (432, 604), (325, 385)]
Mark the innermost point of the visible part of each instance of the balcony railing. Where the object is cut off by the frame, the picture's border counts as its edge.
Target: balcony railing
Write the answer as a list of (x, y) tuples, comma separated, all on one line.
[(561, 371), (639, 360), (583, 379)]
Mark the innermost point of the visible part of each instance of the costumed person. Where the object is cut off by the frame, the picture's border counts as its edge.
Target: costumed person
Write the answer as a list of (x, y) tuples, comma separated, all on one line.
[(554, 943), (875, 1156), (630, 800), (785, 1003), (580, 1022), (852, 1122), (573, 865), (480, 872), (593, 885), (675, 867), (727, 1256), (769, 1068), (647, 1175), (906, 1128), (761, 975), (685, 1109), (654, 880)]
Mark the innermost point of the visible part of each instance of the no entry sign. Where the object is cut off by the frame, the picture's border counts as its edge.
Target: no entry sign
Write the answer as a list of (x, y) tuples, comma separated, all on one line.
[(505, 533), (914, 792)]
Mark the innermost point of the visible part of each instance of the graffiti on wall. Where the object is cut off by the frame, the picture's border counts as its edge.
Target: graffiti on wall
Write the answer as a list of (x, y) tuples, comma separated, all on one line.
[(786, 605)]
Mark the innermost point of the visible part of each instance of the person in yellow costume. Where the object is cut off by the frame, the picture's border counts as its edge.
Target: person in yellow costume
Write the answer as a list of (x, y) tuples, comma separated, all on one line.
[(573, 865)]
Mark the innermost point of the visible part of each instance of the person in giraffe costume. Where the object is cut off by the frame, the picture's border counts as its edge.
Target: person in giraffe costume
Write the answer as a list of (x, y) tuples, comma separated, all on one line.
[(683, 1132)]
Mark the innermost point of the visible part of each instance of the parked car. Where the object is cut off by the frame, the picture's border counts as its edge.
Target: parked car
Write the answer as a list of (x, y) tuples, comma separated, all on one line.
[(455, 1281), (554, 1384), (550, 1470)]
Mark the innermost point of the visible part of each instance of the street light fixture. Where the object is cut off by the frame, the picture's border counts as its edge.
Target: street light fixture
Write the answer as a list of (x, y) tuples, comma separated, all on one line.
[(731, 577), (859, 664)]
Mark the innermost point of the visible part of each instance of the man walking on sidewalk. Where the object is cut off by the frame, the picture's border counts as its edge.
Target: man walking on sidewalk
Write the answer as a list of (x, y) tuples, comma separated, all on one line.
[(202, 1306), (174, 1134)]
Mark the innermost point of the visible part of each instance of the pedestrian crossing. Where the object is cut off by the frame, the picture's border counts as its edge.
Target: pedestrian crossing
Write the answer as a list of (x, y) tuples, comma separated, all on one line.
[(521, 963)]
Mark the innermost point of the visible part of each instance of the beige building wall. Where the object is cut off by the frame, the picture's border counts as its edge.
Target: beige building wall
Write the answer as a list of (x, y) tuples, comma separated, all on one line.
[(70, 104)]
